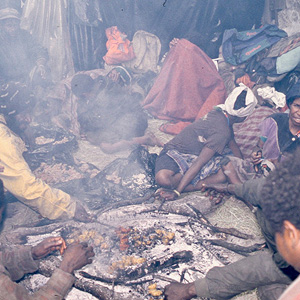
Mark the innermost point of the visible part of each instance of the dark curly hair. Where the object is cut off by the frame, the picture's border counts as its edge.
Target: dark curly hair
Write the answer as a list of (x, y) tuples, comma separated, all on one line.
[(281, 193)]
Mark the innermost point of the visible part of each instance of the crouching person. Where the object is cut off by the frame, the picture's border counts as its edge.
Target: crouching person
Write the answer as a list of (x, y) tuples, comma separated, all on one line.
[(15, 264), (19, 180), (277, 198)]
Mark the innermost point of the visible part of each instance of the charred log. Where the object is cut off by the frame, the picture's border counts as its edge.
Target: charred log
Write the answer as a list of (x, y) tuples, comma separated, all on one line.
[(205, 222), (144, 269), (116, 281), (243, 250), (135, 201), (19, 235), (158, 264), (48, 266)]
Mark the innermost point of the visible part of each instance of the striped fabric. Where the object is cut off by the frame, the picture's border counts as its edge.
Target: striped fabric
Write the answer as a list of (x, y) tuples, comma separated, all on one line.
[(247, 133)]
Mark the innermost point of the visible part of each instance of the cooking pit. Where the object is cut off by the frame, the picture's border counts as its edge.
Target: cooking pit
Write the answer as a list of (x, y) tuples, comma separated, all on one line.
[(141, 244)]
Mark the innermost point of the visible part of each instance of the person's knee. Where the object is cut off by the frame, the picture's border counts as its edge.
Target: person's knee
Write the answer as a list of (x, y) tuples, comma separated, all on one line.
[(163, 178)]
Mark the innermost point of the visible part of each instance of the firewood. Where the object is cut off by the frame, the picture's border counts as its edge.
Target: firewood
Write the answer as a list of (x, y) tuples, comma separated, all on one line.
[(135, 272), (136, 201), (116, 281), (157, 264), (215, 229), (243, 250), (205, 222), (48, 266)]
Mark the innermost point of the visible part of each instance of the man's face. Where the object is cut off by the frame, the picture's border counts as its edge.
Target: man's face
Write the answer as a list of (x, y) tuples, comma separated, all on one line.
[(288, 245), (295, 112), (11, 26)]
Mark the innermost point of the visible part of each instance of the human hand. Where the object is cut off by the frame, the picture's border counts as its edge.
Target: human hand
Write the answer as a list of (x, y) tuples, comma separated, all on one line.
[(180, 291), (216, 191), (218, 187), (165, 194), (76, 256), (47, 246), (256, 157), (81, 214), (173, 42), (114, 75)]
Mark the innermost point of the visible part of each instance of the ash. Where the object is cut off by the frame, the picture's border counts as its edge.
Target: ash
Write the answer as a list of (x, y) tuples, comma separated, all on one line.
[(133, 243)]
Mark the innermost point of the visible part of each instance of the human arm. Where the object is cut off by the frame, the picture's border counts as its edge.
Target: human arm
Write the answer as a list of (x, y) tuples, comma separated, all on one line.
[(76, 256), (249, 191), (24, 260), (18, 179), (235, 148), (205, 155), (180, 291)]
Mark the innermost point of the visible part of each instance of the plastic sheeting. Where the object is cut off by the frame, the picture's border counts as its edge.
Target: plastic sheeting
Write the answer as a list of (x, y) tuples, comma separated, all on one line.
[(47, 22)]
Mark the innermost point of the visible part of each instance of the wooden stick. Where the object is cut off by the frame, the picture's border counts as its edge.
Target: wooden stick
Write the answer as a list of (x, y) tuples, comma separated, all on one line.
[(243, 250)]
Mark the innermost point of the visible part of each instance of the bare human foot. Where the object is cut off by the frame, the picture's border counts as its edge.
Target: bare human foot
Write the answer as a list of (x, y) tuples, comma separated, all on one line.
[(150, 139)]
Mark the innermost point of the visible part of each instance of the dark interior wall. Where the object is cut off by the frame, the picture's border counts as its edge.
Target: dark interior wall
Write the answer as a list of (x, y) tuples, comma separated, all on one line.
[(200, 21), (183, 18)]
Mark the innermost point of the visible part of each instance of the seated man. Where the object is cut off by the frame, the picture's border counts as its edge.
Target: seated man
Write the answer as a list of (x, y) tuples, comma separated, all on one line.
[(276, 198), (17, 177), (22, 61), (15, 264), (110, 115), (194, 156), (281, 206)]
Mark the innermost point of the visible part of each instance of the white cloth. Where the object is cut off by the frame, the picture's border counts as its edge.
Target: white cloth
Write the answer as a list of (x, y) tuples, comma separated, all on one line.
[(270, 93), (250, 102)]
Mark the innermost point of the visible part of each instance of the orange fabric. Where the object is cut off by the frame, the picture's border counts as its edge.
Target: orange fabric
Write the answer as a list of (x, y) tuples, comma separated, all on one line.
[(119, 48), (187, 88), (245, 79)]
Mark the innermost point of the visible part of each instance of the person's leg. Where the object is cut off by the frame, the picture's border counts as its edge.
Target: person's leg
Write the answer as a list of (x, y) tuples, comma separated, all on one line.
[(167, 178), (167, 173), (230, 173), (244, 275), (218, 177), (149, 139)]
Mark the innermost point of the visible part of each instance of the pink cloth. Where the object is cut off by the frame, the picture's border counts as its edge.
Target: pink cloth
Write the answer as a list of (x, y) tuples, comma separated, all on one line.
[(187, 88)]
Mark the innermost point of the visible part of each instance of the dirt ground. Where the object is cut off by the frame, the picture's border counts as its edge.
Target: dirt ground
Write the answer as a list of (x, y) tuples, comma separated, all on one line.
[(231, 213)]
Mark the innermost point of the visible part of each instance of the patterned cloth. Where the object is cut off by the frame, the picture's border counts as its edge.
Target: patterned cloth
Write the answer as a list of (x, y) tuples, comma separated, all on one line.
[(247, 133), (184, 162)]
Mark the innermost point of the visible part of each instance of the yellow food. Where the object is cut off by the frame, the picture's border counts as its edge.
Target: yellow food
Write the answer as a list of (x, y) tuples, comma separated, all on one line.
[(152, 286), (155, 292)]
